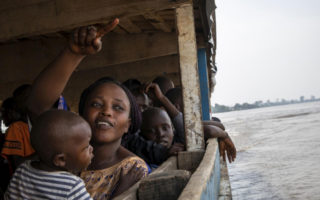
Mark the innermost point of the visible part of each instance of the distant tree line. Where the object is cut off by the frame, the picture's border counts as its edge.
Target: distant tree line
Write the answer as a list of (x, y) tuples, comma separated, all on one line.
[(259, 104)]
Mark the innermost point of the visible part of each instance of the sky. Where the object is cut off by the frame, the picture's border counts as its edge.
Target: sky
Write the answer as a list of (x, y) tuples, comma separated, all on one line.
[(267, 50)]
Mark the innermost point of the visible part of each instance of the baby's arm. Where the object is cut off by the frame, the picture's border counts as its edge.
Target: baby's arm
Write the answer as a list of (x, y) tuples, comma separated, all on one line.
[(50, 83)]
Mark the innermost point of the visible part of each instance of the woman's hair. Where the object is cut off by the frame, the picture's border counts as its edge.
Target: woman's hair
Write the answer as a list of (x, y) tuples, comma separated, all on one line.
[(134, 115)]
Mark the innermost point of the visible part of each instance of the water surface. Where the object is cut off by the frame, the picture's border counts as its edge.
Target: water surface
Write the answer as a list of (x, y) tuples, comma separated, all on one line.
[(278, 152)]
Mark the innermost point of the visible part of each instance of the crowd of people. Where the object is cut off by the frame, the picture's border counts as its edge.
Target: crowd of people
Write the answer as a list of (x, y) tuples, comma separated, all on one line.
[(123, 130)]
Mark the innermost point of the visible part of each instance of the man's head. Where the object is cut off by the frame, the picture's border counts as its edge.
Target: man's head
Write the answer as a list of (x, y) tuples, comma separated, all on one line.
[(157, 126), (61, 140)]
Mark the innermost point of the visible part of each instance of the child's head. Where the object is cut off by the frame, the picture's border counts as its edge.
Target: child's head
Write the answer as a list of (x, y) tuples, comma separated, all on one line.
[(175, 96), (9, 112), (132, 84), (164, 83), (110, 109), (142, 99), (61, 140), (157, 126)]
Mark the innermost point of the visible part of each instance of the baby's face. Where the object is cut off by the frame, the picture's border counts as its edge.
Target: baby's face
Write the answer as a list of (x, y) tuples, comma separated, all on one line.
[(158, 128), (79, 151)]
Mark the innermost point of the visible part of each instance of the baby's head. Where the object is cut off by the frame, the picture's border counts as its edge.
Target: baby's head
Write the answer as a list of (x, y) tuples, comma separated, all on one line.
[(61, 140), (157, 126)]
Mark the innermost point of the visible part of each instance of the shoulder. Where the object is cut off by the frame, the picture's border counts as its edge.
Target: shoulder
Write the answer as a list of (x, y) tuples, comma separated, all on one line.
[(124, 153), (17, 126)]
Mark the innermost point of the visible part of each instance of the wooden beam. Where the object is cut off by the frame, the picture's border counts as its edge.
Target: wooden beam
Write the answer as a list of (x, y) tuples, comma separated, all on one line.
[(44, 17), (201, 184), (119, 49), (157, 22), (119, 30), (130, 27), (189, 77)]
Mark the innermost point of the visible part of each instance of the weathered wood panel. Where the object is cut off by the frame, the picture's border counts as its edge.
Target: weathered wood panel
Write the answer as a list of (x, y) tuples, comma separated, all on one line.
[(157, 22), (205, 173), (225, 187), (167, 185), (189, 77), (23, 18), (21, 62), (119, 49), (129, 26)]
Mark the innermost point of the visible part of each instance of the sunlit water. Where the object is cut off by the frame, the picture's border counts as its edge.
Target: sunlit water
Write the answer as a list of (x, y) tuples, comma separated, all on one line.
[(278, 152)]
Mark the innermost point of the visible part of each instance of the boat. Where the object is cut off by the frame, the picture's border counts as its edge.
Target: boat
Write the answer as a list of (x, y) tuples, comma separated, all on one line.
[(175, 38)]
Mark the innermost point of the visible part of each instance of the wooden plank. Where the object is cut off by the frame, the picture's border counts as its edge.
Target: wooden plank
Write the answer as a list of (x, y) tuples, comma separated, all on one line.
[(190, 160), (225, 187), (120, 49), (199, 183), (119, 30), (166, 185), (51, 16), (189, 77), (130, 27), (157, 22)]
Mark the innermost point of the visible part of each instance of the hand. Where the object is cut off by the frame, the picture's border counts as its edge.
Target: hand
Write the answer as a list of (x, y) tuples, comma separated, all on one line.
[(132, 176), (226, 145), (87, 40), (175, 148), (154, 92), (128, 179)]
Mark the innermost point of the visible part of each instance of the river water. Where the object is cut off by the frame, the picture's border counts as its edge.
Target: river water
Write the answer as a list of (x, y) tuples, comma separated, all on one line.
[(278, 152)]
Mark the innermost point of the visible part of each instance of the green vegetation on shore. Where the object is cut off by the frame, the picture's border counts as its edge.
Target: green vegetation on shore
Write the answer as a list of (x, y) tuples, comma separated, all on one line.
[(259, 104)]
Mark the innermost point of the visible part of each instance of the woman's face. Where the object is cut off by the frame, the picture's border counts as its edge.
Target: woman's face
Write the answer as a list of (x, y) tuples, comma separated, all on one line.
[(107, 110)]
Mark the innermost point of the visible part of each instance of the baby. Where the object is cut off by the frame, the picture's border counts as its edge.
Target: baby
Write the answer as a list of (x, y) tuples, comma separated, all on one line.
[(61, 140)]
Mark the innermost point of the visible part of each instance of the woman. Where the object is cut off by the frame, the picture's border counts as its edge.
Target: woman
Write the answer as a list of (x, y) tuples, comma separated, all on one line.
[(106, 105)]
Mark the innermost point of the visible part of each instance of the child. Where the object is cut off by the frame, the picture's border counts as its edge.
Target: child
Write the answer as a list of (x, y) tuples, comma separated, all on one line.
[(61, 140), (157, 127), (211, 128), (142, 99)]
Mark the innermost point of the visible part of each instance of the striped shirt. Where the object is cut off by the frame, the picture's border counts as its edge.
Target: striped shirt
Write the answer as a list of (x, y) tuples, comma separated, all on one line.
[(30, 183)]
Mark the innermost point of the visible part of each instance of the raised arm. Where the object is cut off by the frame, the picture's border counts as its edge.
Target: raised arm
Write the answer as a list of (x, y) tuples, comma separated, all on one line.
[(51, 82), (165, 102)]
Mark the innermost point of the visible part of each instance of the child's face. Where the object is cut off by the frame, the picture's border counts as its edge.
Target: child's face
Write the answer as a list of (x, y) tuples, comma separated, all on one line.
[(143, 102), (158, 128), (107, 111), (79, 151)]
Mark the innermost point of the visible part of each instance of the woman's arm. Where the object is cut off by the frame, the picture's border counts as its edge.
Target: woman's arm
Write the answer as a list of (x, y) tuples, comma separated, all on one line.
[(51, 82)]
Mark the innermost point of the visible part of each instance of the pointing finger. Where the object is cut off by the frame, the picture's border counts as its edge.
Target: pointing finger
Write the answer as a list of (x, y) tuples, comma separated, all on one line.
[(107, 28)]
